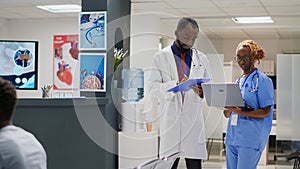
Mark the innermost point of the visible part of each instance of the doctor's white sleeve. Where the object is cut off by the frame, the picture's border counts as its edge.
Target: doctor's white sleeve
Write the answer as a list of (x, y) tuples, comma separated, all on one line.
[(160, 79), (158, 82)]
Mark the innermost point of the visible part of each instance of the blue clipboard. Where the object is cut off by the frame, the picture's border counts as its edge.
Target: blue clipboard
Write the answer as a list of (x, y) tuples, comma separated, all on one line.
[(185, 86)]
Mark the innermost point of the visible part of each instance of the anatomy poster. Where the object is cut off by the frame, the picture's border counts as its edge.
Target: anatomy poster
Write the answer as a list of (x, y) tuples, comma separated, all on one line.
[(65, 56), (92, 31), (93, 72)]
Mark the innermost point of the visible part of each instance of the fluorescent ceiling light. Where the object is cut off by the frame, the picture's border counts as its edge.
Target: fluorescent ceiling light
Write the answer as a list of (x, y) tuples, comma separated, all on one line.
[(61, 8), (263, 19)]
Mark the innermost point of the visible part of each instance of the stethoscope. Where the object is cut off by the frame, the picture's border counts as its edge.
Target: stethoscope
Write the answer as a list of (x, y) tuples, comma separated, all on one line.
[(200, 62), (254, 81)]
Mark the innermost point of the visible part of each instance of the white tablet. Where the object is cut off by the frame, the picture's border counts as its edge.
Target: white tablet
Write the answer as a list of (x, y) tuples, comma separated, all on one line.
[(222, 94)]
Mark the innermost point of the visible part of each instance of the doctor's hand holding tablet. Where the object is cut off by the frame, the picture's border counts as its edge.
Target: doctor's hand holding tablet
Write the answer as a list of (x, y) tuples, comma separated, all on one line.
[(198, 90)]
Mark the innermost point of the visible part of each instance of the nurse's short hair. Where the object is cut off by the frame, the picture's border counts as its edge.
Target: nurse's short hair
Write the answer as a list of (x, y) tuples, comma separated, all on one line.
[(185, 21), (8, 99), (256, 52)]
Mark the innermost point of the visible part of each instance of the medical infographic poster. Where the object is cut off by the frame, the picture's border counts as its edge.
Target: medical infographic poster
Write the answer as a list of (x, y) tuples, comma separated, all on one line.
[(93, 72), (65, 60), (92, 31), (19, 63)]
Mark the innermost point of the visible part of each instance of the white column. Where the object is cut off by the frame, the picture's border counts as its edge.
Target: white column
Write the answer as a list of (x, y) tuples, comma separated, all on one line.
[(144, 43), (144, 39)]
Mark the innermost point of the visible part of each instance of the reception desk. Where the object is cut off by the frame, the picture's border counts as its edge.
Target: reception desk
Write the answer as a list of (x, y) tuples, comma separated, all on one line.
[(71, 130)]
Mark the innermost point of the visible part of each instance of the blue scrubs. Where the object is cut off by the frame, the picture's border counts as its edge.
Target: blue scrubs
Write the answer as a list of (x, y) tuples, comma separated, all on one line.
[(246, 139)]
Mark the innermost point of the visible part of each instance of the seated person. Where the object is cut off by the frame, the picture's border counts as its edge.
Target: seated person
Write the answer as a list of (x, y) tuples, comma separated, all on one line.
[(19, 149)]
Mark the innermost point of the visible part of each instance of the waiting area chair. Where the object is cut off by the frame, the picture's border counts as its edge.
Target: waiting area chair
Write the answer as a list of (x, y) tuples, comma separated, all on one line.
[(168, 161), (160, 163), (151, 164)]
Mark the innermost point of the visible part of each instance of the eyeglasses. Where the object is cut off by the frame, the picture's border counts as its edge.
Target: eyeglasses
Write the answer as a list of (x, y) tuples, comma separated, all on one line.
[(245, 58)]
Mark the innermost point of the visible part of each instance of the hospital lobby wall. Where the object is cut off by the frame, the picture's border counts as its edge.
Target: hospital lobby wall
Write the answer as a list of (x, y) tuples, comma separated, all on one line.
[(55, 121)]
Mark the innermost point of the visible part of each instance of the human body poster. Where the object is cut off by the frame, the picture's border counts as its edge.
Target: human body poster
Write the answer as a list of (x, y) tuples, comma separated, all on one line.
[(92, 31), (93, 72), (65, 60)]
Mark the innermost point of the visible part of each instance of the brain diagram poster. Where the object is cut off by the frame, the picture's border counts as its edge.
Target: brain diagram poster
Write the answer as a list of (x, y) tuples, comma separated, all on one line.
[(65, 56), (93, 72)]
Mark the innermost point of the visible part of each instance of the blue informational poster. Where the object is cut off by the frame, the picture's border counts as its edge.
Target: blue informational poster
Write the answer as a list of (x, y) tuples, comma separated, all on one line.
[(92, 31), (93, 72)]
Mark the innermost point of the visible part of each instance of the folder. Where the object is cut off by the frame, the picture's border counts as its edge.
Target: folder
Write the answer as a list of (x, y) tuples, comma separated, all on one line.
[(185, 86)]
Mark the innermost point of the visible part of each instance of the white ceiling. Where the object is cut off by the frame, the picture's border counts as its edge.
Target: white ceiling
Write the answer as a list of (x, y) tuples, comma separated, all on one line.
[(213, 16)]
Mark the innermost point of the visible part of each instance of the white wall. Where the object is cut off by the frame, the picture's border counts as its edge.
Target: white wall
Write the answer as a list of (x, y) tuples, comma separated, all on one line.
[(43, 31), (142, 47), (144, 43), (3, 27), (144, 39), (271, 46), (228, 46)]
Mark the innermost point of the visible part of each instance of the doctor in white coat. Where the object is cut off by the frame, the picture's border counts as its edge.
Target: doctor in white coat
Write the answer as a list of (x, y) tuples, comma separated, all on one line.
[(180, 113)]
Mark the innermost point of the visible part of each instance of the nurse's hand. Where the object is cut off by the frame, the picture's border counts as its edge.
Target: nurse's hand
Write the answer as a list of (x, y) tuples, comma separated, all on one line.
[(235, 109), (198, 90), (227, 113)]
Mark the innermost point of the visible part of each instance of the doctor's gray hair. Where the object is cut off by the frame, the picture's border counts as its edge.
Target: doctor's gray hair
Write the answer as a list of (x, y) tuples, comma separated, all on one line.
[(186, 20)]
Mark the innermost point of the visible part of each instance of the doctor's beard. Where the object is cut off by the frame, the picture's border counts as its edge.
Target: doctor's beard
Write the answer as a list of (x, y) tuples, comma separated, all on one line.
[(182, 47)]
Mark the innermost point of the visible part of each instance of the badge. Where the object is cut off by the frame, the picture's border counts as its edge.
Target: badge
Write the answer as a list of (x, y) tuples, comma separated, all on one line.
[(234, 119)]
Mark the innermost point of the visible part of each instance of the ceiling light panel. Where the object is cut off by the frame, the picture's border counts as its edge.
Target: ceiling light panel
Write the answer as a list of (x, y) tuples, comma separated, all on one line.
[(280, 3), (235, 3), (61, 8), (253, 20), (251, 11)]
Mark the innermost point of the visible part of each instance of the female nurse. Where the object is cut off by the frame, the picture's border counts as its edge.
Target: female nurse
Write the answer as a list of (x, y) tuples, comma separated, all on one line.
[(249, 127)]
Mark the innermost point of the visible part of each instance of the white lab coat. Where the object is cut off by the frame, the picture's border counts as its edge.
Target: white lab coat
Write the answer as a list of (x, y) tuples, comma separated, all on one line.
[(181, 122)]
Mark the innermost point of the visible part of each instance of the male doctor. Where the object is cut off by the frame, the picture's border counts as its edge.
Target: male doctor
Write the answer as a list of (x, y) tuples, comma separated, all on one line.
[(19, 149), (180, 113)]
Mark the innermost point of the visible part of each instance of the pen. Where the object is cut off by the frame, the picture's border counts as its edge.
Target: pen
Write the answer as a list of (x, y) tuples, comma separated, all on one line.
[(184, 74), (43, 89), (45, 94)]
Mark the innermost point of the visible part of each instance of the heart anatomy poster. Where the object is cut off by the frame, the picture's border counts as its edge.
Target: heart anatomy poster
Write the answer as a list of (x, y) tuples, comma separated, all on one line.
[(65, 60)]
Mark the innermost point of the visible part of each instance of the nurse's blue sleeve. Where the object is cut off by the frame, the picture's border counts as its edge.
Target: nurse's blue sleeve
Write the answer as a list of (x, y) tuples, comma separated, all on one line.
[(265, 92)]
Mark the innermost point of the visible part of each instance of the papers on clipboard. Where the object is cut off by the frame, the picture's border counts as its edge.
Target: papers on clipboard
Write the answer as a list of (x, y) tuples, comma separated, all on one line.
[(185, 86)]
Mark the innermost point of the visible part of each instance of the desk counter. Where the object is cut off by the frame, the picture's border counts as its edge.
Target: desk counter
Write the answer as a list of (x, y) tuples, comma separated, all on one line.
[(67, 128)]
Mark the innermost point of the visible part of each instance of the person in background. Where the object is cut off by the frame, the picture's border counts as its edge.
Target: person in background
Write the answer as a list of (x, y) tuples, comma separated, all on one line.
[(181, 116), (249, 127), (19, 149)]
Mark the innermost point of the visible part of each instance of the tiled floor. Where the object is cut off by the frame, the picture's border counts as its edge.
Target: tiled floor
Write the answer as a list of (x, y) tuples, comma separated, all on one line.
[(275, 156), (217, 159), (210, 165)]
